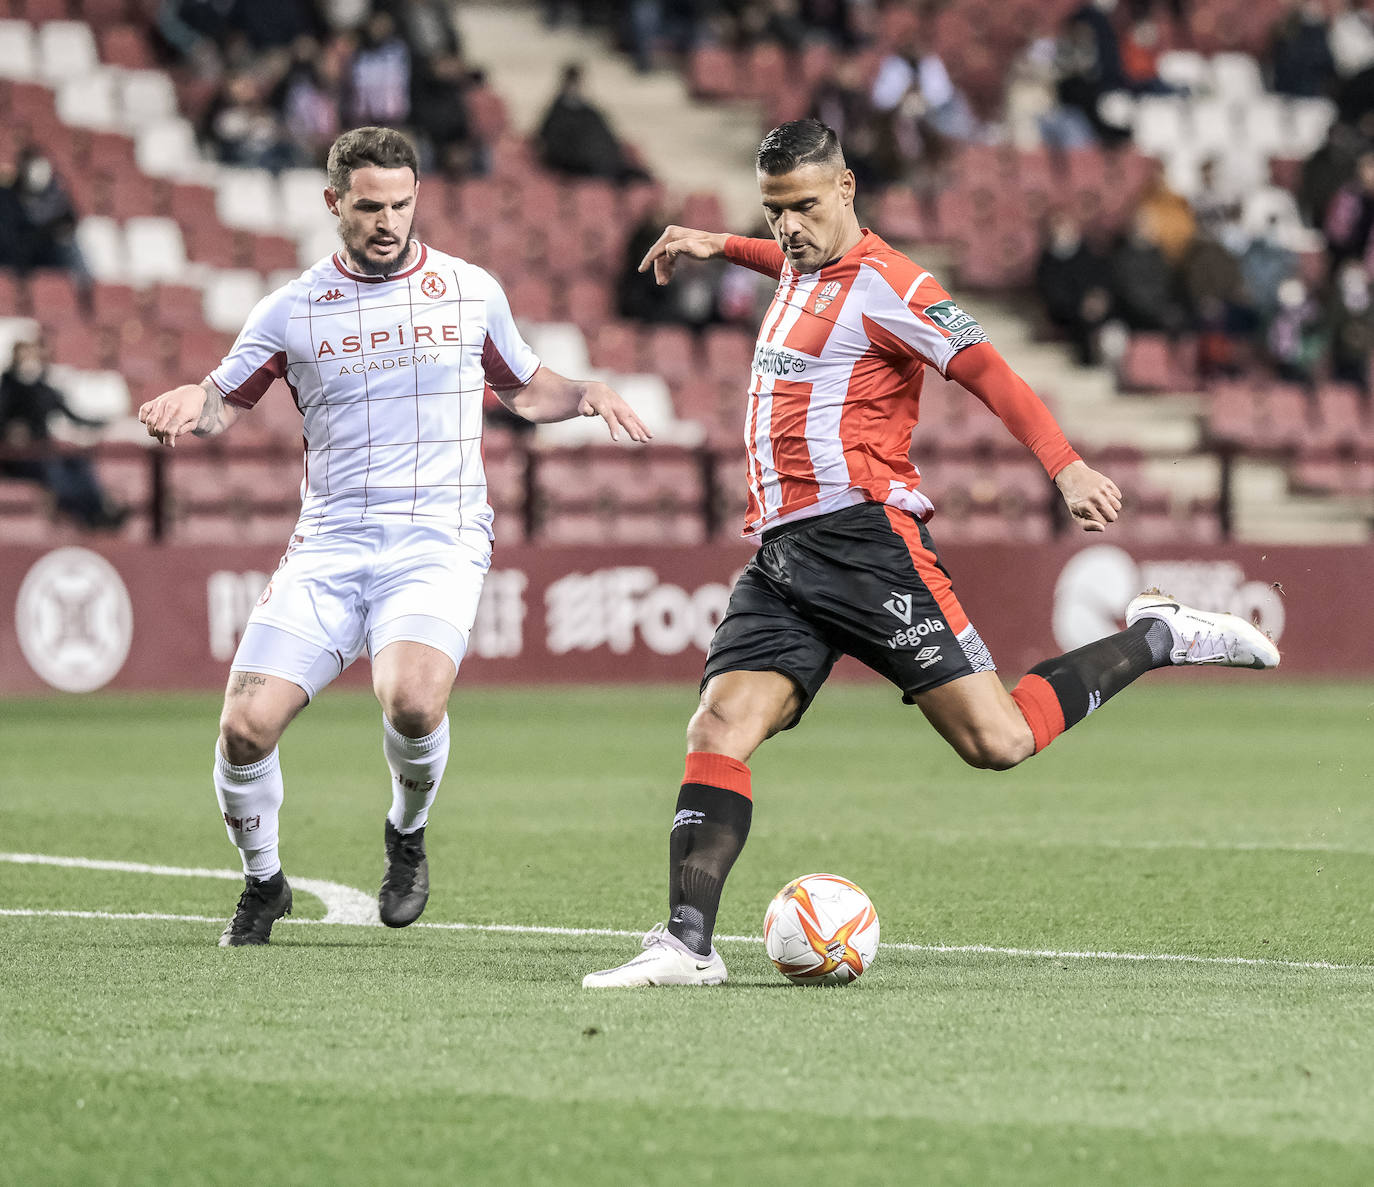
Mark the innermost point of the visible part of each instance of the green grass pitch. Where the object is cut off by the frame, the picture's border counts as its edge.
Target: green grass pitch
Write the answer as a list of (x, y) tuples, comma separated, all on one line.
[(1212, 815)]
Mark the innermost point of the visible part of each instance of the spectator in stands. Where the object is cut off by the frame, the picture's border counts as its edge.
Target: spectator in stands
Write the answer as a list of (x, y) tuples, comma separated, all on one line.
[(273, 24), (1032, 109), (194, 30), (429, 29), (310, 94), (575, 138), (243, 129), (27, 404), (1144, 285), (1350, 216), (377, 82), (1170, 222), (841, 100), (1350, 324), (1265, 264), (1294, 335), (1216, 206), (1299, 57), (1074, 281), (1140, 59), (1094, 20), (1213, 288), (779, 22), (1087, 72), (439, 112), (640, 298), (45, 234), (913, 85)]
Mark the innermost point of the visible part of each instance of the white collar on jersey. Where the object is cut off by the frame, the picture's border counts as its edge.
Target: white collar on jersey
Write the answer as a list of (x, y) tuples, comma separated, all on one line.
[(363, 278)]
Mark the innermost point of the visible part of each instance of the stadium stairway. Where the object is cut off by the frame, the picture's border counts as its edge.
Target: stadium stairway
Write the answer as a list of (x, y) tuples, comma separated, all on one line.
[(686, 145)]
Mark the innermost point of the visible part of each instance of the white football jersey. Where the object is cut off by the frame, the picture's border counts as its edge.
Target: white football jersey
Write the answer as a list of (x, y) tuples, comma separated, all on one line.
[(388, 374)]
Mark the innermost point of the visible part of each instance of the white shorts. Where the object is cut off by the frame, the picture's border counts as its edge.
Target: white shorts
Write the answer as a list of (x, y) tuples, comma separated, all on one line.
[(337, 593)]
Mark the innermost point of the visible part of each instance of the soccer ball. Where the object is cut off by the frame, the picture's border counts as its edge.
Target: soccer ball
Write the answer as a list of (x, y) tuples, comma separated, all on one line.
[(821, 929)]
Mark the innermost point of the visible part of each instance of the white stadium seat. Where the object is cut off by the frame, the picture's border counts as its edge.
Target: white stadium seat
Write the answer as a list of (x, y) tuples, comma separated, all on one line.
[(1182, 170), (1159, 125), (1117, 108), (1309, 120), (315, 245), (1213, 129), (1236, 77), (18, 53), (66, 49), (146, 97), (560, 345), (156, 251), (168, 149), (100, 395), (1266, 125), (248, 198), (230, 294), (88, 100), (1187, 69), (649, 397), (302, 199), (102, 243)]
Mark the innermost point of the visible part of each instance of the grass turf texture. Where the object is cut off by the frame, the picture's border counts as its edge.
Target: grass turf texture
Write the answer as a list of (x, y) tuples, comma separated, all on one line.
[(1201, 814)]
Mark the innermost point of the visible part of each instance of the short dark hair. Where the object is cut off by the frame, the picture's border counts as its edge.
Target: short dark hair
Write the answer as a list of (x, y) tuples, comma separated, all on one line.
[(385, 148), (797, 143)]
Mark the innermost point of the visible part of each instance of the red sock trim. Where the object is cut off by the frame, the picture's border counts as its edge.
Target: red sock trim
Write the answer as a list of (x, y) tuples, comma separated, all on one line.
[(1039, 705), (718, 770)]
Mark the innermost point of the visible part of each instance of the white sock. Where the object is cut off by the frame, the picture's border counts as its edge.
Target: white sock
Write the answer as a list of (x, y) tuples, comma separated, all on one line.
[(250, 798), (417, 765)]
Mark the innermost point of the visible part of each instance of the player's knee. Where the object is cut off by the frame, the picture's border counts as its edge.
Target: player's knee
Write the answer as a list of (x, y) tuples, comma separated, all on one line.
[(414, 716), (996, 748), (716, 728), (246, 737)]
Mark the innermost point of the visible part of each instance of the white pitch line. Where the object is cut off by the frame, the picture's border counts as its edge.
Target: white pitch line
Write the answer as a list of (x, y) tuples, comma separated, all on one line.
[(617, 933)]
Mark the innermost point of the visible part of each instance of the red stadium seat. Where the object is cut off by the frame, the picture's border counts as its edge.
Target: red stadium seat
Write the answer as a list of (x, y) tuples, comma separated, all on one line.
[(670, 351), (713, 73), (614, 346), (729, 352), (126, 46), (53, 296), (13, 301), (272, 253), (177, 307)]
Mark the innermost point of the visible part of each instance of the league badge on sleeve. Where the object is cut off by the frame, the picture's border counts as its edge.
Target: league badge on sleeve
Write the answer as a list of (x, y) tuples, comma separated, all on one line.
[(825, 296), (958, 326)]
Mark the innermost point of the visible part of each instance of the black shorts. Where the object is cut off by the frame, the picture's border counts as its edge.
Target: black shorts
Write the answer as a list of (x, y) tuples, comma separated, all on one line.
[(864, 581)]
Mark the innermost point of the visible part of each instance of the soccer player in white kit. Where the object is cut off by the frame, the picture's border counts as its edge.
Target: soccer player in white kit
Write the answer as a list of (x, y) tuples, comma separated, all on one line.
[(385, 347)]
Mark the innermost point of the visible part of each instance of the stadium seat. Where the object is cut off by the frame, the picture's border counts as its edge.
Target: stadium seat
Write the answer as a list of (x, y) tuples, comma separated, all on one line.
[(713, 73), (1236, 77), (230, 295), (560, 345), (18, 50), (155, 249), (1185, 69), (126, 46), (729, 352), (66, 49), (102, 244), (12, 299), (112, 304), (1159, 124), (248, 198), (670, 351), (168, 149), (302, 198), (146, 97), (88, 99)]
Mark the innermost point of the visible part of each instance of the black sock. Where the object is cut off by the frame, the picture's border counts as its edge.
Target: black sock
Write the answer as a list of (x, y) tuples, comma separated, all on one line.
[(709, 831), (1085, 679)]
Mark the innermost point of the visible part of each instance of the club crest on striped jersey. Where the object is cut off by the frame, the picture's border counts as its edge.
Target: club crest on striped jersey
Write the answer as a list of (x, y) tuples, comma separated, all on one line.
[(825, 296), (432, 285)]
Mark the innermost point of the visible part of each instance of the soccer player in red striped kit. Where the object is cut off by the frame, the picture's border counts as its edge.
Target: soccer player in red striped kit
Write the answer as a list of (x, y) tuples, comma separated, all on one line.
[(846, 564)]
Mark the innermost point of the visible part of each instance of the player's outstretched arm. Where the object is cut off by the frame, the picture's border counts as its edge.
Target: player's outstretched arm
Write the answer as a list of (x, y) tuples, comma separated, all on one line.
[(681, 241), (550, 397), (191, 408)]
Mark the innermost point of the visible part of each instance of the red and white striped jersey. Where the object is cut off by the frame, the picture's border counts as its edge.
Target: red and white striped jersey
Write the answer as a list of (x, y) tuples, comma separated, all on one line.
[(836, 380), (388, 374)]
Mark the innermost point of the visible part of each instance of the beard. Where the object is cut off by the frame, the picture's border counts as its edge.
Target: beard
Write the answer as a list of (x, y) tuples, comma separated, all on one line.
[(358, 254)]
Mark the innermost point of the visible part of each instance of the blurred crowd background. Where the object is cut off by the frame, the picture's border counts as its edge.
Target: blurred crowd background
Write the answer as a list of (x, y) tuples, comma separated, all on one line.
[(1169, 203)]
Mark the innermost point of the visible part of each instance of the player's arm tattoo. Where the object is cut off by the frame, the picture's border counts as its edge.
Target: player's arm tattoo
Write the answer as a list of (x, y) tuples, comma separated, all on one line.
[(212, 417)]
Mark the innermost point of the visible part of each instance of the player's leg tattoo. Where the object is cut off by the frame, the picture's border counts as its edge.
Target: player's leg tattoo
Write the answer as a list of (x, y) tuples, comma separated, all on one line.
[(1061, 692), (714, 810)]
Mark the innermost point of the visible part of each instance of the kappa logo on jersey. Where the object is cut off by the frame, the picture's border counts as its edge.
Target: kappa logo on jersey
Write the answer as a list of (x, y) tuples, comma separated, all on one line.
[(432, 285), (825, 296), (331, 295), (769, 360), (900, 605), (687, 816)]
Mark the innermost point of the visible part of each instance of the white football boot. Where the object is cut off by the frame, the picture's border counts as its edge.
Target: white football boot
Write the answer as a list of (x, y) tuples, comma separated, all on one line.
[(664, 961), (1205, 637)]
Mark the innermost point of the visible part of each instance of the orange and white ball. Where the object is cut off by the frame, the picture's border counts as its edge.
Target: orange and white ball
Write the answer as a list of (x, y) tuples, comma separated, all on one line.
[(821, 929)]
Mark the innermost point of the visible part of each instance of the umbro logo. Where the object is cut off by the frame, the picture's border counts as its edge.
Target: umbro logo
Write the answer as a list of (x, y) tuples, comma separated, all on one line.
[(900, 605), (331, 295), (927, 656), (686, 816)]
